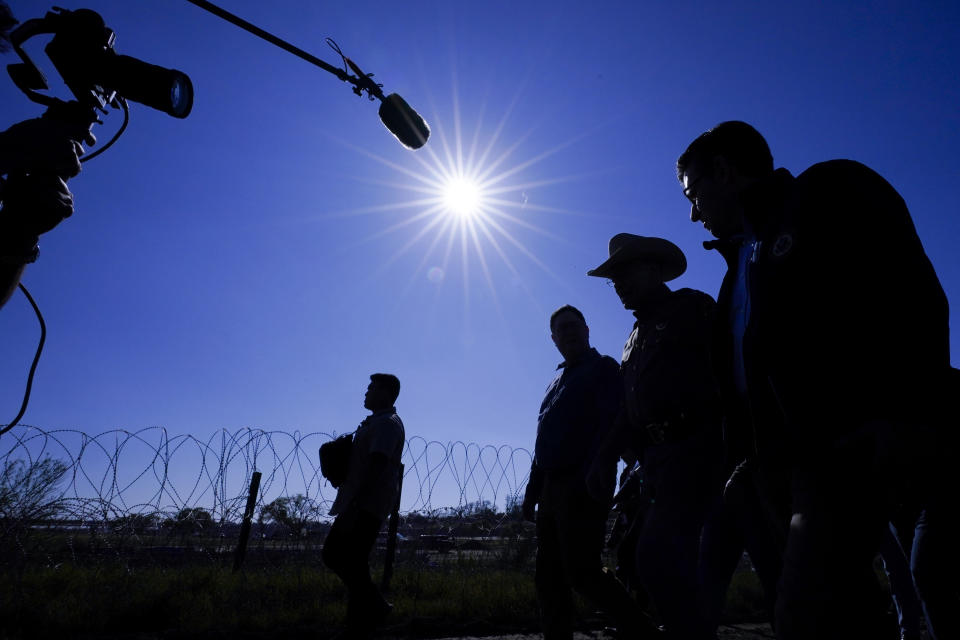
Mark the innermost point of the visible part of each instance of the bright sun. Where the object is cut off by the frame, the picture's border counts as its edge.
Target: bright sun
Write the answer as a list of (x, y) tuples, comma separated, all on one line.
[(462, 197), (467, 205)]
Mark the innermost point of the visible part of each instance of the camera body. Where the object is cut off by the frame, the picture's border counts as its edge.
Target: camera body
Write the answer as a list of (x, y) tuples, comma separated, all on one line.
[(82, 53)]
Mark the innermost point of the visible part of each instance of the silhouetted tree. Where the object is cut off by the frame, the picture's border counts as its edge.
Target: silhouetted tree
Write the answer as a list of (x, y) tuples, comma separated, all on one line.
[(295, 513), (191, 520), (514, 507), (27, 490), (136, 523)]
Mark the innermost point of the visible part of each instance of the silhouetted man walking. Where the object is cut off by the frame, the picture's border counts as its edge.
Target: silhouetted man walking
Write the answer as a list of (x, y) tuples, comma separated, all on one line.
[(363, 502), (671, 418), (835, 339), (577, 412)]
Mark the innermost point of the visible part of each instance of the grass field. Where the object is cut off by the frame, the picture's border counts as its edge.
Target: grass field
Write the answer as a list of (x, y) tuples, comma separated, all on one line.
[(434, 596)]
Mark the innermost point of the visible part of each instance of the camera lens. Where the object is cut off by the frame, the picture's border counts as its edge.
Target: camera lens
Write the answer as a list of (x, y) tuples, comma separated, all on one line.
[(167, 90), (181, 96)]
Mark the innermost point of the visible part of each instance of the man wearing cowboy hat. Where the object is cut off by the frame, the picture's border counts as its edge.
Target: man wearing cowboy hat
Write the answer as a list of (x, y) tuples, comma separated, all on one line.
[(671, 416)]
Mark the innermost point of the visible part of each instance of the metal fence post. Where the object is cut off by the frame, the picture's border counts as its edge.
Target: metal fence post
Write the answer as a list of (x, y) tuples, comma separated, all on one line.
[(247, 517), (392, 538)]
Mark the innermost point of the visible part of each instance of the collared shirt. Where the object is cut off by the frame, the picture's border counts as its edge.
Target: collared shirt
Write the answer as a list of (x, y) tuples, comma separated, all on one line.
[(381, 432), (577, 412), (667, 372), (740, 306)]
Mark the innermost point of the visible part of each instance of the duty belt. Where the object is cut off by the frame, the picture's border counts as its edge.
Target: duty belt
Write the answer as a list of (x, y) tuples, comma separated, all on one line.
[(674, 430)]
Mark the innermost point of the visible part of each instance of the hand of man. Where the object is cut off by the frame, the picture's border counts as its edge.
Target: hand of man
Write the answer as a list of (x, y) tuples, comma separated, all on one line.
[(43, 145), (529, 510), (735, 486), (598, 481), (34, 204)]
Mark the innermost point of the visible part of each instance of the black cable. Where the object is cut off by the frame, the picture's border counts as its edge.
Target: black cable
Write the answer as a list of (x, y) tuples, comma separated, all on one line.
[(43, 325), (36, 359), (272, 39), (333, 45)]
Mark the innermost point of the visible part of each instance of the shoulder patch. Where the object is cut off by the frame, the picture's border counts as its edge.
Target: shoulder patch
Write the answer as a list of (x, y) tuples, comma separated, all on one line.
[(782, 245)]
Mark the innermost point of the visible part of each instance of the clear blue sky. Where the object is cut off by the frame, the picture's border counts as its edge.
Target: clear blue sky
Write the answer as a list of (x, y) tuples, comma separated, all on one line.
[(250, 266)]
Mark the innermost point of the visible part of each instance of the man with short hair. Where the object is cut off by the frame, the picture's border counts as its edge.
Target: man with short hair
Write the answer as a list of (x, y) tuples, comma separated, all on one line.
[(833, 335), (575, 415), (363, 502), (671, 417)]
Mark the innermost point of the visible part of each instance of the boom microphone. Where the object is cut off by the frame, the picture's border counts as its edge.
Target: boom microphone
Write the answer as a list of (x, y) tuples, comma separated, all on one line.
[(404, 123), (397, 116)]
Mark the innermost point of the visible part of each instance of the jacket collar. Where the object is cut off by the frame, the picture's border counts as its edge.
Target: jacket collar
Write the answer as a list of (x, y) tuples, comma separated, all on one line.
[(588, 355), (764, 198), (760, 201), (653, 303)]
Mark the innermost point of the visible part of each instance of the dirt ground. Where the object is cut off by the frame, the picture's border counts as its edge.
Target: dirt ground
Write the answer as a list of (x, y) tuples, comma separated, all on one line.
[(747, 631)]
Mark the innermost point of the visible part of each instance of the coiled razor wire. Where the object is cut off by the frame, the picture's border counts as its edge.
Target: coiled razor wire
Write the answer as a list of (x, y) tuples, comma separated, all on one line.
[(120, 473)]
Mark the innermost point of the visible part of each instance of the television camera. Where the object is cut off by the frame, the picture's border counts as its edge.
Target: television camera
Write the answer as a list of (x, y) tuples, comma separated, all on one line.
[(82, 53)]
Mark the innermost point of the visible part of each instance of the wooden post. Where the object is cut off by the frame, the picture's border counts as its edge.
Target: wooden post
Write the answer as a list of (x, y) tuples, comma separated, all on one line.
[(392, 538), (245, 525)]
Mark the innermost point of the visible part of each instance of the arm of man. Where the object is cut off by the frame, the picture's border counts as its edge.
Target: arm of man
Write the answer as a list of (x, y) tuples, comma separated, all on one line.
[(10, 275), (862, 279), (386, 440), (31, 205), (608, 395), (36, 153), (376, 465), (617, 440), (608, 402), (531, 496)]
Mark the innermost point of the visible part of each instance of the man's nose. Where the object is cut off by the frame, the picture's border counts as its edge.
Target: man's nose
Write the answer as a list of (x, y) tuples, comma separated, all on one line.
[(694, 213)]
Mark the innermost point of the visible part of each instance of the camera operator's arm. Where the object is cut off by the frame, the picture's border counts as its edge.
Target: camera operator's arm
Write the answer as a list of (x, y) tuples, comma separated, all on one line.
[(9, 279), (31, 205), (34, 199)]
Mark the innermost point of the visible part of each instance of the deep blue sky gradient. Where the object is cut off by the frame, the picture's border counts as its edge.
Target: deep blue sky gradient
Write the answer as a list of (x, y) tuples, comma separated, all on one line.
[(234, 269)]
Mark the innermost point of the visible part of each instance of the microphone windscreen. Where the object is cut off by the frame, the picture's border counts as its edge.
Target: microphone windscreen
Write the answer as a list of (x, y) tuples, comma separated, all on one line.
[(403, 122)]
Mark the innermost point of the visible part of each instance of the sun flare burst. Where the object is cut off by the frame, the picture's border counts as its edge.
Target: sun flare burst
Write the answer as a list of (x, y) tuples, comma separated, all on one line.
[(463, 196), (468, 204)]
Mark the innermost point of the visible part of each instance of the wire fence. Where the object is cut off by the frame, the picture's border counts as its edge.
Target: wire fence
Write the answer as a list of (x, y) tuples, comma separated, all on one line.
[(141, 528), (160, 487)]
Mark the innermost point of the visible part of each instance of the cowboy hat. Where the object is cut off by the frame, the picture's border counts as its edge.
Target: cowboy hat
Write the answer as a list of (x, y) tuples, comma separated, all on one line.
[(627, 248)]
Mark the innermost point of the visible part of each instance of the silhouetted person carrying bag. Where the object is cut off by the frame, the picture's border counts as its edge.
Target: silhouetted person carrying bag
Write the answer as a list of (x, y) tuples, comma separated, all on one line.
[(364, 500)]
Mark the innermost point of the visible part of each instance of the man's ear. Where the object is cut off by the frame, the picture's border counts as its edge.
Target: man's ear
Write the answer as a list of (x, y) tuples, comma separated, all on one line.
[(723, 171)]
